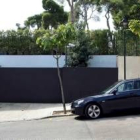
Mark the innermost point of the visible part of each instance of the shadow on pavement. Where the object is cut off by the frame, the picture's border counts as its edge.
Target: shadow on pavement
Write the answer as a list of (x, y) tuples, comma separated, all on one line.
[(121, 115)]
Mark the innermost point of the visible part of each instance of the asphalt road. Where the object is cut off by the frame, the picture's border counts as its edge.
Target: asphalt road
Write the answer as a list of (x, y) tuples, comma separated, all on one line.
[(121, 127)]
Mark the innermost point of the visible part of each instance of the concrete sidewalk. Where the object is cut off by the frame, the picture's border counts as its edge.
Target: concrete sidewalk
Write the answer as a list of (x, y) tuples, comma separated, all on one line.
[(27, 111)]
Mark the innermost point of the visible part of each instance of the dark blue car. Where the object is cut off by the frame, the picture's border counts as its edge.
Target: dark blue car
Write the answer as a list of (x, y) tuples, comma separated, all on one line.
[(120, 96)]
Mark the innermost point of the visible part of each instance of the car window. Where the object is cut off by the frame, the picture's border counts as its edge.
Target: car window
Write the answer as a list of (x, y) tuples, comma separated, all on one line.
[(125, 87), (110, 88), (137, 85), (120, 88), (128, 86)]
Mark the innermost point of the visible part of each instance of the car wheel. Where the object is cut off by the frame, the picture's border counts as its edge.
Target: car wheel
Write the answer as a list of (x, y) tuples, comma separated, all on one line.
[(93, 111)]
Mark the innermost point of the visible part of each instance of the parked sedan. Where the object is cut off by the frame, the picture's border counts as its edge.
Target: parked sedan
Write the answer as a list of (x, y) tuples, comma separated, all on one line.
[(120, 96)]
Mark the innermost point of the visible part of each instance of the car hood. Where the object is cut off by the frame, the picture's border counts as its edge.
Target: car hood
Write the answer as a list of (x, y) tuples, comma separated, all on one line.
[(95, 96), (92, 97)]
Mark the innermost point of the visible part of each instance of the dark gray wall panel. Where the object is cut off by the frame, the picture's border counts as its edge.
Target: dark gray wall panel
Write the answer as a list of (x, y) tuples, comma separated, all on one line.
[(41, 85)]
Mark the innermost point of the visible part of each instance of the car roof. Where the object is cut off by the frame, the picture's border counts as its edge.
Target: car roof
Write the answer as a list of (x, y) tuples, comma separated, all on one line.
[(127, 80)]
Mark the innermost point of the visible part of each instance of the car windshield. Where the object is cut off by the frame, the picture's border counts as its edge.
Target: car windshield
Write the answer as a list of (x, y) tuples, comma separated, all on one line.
[(111, 87)]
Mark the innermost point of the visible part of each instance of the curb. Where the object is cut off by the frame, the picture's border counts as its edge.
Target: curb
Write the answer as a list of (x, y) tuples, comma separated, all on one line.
[(55, 116), (61, 115)]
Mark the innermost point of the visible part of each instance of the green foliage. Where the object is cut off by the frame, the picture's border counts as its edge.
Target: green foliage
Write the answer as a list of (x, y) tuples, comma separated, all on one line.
[(134, 26), (126, 8), (135, 11), (19, 42), (100, 44), (38, 33), (46, 17), (57, 39), (54, 14), (51, 6), (51, 35), (132, 43), (24, 42), (80, 53), (34, 21)]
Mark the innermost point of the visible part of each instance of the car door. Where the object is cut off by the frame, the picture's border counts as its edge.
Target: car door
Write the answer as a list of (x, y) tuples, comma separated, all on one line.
[(137, 92), (124, 98)]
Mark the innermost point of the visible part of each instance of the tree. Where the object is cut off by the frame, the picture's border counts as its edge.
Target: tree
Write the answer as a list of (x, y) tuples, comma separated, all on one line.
[(134, 26), (57, 40), (71, 4), (100, 44), (54, 14), (85, 9), (33, 21), (110, 6), (18, 25), (80, 53), (126, 8)]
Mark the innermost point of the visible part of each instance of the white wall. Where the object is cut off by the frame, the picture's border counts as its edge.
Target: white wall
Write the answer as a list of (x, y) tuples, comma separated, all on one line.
[(41, 61), (109, 61), (132, 67), (29, 61)]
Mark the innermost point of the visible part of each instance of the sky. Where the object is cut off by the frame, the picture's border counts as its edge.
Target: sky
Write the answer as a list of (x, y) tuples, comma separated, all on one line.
[(17, 11)]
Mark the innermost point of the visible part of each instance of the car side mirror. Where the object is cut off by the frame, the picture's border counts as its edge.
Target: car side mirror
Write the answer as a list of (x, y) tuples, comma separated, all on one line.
[(114, 92)]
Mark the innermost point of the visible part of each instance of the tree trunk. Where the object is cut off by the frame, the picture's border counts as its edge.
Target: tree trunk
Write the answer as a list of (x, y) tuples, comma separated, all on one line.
[(72, 15), (61, 85), (115, 45), (108, 25), (71, 5), (85, 16), (107, 19)]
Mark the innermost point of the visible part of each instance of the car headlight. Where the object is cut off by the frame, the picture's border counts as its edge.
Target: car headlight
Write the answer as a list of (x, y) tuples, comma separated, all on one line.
[(80, 101)]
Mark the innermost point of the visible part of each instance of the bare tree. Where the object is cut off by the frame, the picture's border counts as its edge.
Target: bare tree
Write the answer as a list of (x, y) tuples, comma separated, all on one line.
[(72, 10), (57, 56), (86, 11)]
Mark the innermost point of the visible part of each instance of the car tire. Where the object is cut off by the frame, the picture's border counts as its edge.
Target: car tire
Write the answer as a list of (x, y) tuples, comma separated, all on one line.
[(93, 111)]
